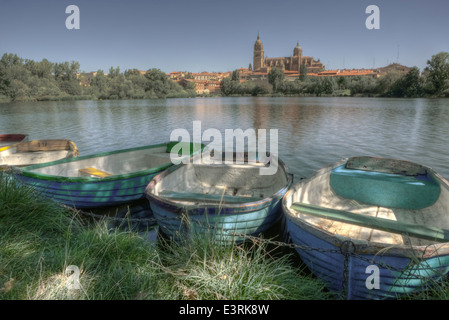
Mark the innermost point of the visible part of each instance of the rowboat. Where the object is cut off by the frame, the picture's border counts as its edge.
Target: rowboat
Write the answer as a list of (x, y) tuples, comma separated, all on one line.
[(227, 201), (9, 141), (101, 179), (372, 228), (32, 152)]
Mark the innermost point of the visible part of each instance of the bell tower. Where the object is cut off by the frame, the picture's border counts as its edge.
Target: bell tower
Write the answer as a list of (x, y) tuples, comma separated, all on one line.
[(297, 57), (258, 60)]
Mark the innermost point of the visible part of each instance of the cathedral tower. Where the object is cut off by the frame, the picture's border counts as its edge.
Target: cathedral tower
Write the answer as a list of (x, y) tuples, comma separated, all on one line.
[(259, 60), (297, 57)]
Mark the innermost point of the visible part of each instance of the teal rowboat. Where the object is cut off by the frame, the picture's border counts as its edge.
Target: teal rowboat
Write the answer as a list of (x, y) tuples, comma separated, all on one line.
[(227, 201), (372, 228), (102, 179)]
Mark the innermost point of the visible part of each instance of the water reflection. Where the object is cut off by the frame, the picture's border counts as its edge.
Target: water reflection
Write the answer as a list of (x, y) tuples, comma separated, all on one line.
[(313, 132)]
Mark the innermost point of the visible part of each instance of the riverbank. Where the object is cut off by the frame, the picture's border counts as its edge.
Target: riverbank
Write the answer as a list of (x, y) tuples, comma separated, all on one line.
[(40, 241), (339, 93)]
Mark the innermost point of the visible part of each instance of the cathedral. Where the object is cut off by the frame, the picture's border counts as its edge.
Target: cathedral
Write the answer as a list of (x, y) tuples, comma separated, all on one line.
[(292, 63)]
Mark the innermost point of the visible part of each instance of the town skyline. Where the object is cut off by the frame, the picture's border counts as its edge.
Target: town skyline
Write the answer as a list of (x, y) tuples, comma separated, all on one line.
[(199, 36)]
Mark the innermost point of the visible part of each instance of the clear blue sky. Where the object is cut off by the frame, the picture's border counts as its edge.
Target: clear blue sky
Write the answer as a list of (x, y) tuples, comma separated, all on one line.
[(211, 35)]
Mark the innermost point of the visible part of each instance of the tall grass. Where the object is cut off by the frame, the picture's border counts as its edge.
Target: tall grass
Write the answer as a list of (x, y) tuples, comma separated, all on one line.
[(39, 239)]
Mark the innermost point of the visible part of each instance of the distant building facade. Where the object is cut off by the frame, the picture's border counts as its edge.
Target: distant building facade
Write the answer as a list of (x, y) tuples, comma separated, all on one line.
[(293, 63)]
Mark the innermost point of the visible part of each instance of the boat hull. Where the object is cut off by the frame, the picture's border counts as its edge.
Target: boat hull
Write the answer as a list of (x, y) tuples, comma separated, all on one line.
[(347, 274), (93, 192), (230, 223), (360, 269)]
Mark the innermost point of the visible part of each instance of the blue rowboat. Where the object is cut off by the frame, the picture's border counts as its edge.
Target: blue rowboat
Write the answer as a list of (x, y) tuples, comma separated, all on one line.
[(102, 179), (372, 228), (227, 201)]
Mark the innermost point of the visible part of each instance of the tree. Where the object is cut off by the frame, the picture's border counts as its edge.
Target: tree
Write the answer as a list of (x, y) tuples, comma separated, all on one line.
[(235, 75), (290, 87), (364, 85), (66, 71), (4, 83), (276, 77), (303, 72), (100, 85), (113, 73), (226, 86), (157, 83), (45, 69), (9, 60), (42, 69), (328, 85), (409, 85), (438, 73), (138, 82), (385, 84), (71, 87), (342, 83), (260, 88)]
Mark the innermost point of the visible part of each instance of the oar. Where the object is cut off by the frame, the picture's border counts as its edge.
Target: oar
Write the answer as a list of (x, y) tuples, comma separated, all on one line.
[(412, 230)]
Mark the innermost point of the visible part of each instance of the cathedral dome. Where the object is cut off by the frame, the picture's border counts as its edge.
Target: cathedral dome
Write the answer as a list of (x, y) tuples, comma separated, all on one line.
[(297, 51)]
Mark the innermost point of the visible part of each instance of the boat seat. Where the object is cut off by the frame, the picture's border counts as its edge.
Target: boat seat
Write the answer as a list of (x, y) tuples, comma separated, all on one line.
[(44, 145), (391, 190), (91, 171)]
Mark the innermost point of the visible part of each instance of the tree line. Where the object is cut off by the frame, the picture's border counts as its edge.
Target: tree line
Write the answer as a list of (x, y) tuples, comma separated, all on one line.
[(433, 81), (29, 80)]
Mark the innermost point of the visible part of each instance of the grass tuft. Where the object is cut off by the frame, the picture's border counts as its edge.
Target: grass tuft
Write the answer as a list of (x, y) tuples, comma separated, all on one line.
[(40, 239)]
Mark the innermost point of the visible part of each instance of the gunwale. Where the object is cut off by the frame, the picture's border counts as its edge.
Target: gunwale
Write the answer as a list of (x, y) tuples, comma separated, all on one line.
[(28, 170), (226, 208)]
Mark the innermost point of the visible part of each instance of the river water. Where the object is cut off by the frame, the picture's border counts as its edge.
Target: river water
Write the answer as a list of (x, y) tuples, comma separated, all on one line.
[(312, 132)]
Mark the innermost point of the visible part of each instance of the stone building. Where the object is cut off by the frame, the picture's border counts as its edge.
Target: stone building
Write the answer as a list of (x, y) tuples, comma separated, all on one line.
[(292, 63)]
